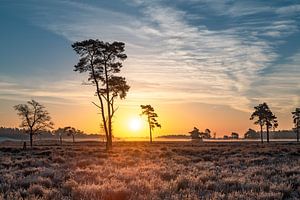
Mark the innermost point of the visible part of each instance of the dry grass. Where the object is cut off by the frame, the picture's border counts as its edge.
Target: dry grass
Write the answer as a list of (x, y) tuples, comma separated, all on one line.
[(138, 170)]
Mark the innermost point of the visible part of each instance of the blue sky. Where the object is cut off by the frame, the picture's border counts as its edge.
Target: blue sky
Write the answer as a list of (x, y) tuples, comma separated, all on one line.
[(218, 52)]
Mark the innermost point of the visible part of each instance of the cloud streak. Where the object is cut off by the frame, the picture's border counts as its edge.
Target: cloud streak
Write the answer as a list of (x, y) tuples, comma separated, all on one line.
[(172, 59), (61, 92)]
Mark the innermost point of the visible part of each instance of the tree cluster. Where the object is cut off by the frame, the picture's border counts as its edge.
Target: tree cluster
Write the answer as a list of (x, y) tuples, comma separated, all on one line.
[(264, 118), (197, 134)]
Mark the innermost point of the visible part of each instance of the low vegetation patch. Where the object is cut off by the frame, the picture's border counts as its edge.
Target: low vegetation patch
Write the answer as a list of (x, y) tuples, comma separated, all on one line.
[(162, 170)]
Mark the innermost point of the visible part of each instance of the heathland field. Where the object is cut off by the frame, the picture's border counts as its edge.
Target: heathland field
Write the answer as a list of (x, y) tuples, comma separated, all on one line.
[(163, 170)]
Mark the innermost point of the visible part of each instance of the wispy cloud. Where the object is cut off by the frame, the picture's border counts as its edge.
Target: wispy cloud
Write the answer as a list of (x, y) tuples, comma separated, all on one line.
[(61, 92), (172, 59), (281, 87), (289, 10)]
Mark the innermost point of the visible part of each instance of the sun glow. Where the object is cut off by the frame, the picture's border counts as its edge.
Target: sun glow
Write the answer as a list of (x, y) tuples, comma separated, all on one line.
[(135, 124)]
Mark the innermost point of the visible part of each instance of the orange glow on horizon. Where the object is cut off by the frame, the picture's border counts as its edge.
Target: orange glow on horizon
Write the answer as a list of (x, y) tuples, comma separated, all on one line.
[(176, 118)]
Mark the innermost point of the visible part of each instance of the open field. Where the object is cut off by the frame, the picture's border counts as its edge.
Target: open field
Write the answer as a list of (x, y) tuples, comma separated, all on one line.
[(163, 170)]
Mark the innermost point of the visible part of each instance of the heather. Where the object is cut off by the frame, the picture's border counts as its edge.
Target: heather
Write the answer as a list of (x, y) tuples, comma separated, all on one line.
[(162, 170)]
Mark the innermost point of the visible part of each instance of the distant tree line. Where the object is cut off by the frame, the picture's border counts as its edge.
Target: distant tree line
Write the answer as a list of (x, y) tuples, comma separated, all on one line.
[(280, 134), (197, 134), (13, 133), (233, 135), (56, 134), (36, 121)]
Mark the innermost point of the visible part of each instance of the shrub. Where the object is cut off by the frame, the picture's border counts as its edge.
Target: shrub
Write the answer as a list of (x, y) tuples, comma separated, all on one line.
[(36, 190)]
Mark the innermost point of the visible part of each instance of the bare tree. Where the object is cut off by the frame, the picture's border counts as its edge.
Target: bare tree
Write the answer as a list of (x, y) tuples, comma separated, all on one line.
[(102, 60), (296, 120), (148, 110), (35, 118)]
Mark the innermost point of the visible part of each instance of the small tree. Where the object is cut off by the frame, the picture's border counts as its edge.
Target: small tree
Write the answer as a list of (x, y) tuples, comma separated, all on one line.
[(251, 134), (234, 135), (207, 134), (102, 60), (296, 120), (59, 132), (148, 110), (35, 118), (195, 133), (71, 131)]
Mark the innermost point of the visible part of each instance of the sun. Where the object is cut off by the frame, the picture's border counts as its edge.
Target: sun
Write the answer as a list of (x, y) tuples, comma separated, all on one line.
[(135, 124)]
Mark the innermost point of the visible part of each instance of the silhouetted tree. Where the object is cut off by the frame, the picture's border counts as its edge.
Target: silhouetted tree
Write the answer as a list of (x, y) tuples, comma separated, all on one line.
[(206, 134), (195, 133), (296, 120), (148, 110), (35, 118), (265, 117), (259, 113), (251, 134), (102, 60), (234, 135), (271, 122), (215, 134), (71, 131), (59, 132)]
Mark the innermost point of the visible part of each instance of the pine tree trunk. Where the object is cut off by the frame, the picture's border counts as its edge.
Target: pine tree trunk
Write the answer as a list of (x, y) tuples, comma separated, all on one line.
[(261, 134), (268, 137), (150, 135), (60, 139), (297, 134), (31, 138), (108, 146), (110, 142), (108, 107), (150, 129), (73, 138), (107, 140)]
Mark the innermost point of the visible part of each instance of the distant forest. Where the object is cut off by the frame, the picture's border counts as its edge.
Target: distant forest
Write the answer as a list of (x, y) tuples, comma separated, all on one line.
[(19, 134), (250, 134), (280, 134)]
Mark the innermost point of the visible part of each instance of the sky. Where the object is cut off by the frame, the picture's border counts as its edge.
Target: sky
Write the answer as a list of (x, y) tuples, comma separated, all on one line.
[(202, 63)]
